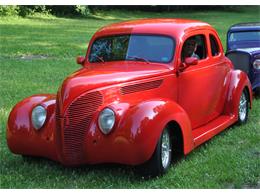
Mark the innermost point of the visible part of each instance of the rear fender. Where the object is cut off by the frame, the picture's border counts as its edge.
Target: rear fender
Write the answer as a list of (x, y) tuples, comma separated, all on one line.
[(238, 82)]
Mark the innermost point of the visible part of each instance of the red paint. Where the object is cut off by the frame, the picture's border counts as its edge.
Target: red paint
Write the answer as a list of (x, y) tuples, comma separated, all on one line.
[(203, 100)]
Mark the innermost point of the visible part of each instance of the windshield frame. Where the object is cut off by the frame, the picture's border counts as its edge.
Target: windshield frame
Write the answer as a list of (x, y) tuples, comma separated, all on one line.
[(173, 53)]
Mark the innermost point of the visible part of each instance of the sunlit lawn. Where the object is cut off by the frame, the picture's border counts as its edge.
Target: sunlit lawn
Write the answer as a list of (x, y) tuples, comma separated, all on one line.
[(37, 53)]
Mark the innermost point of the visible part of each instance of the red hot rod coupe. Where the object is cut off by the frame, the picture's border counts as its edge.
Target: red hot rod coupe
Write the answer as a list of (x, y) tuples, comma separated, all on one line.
[(147, 89)]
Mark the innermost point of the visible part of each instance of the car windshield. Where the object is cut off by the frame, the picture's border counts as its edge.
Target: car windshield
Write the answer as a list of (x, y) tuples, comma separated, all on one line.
[(147, 48), (245, 36)]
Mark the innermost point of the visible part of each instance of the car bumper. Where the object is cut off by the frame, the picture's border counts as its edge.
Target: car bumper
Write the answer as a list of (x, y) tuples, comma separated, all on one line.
[(117, 147)]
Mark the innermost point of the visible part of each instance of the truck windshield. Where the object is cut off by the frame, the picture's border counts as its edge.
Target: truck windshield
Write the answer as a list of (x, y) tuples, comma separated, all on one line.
[(148, 48), (245, 36)]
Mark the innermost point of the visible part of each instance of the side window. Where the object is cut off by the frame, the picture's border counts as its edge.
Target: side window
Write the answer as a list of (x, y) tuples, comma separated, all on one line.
[(214, 45), (194, 46)]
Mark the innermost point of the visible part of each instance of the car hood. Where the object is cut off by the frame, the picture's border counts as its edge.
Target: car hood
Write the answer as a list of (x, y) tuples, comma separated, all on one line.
[(94, 76)]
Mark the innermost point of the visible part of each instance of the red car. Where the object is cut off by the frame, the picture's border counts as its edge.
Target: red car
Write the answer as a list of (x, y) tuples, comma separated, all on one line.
[(146, 90)]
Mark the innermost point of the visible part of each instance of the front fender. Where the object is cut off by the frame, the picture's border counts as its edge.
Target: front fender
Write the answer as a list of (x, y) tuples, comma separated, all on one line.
[(22, 138), (148, 119), (238, 82)]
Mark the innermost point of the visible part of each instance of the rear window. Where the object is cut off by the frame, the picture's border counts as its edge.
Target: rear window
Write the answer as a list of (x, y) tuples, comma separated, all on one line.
[(214, 45)]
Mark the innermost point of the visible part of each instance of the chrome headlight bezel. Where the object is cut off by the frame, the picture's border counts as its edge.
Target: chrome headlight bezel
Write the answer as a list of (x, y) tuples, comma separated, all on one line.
[(106, 120), (38, 117), (256, 64)]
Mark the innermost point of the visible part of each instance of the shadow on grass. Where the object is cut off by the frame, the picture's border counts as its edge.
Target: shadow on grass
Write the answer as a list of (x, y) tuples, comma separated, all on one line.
[(68, 17), (125, 14), (134, 174), (105, 170), (125, 171)]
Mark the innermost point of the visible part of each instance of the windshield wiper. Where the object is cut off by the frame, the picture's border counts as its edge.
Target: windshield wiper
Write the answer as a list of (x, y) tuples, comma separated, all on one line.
[(138, 58)]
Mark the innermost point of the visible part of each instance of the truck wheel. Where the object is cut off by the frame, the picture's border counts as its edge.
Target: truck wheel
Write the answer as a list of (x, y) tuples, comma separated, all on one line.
[(162, 156), (257, 92), (243, 108)]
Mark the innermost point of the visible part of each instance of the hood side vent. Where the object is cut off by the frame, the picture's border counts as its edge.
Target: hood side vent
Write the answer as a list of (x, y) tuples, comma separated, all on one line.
[(140, 87)]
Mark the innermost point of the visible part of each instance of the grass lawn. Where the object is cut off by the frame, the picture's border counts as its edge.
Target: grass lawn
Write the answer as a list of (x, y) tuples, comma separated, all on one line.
[(229, 160)]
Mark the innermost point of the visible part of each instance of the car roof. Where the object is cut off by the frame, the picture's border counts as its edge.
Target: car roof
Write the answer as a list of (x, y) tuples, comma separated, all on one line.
[(164, 26), (245, 26)]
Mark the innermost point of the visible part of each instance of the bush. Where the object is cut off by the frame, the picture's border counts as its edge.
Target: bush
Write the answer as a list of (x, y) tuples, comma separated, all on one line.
[(69, 10), (83, 10), (26, 10), (9, 10), (23, 10)]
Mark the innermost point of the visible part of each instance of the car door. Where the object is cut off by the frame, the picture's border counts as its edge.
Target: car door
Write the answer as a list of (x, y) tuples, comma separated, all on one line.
[(222, 69), (200, 85)]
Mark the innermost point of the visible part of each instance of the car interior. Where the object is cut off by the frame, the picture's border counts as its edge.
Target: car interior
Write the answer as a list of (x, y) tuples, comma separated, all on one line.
[(201, 47)]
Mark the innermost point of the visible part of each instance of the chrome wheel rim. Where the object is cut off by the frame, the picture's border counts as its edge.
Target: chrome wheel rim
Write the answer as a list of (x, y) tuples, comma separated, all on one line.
[(166, 149), (242, 107)]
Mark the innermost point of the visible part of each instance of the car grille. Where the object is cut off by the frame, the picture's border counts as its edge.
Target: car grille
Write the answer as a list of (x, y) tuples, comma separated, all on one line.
[(77, 121), (58, 135), (240, 60)]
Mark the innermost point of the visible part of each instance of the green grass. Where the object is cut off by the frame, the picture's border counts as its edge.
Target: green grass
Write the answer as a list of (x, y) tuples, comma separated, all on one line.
[(229, 160)]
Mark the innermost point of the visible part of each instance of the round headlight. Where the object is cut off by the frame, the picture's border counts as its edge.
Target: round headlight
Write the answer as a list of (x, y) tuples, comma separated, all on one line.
[(106, 120), (39, 115), (256, 64)]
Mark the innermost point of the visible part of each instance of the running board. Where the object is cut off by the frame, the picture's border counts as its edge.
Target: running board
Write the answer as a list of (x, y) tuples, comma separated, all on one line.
[(204, 133)]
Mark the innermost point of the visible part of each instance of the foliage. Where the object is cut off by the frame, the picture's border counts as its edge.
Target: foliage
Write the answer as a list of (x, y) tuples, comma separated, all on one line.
[(37, 53), (32, 9), (63, 10), (23, 10), (9, 10), (28, 10), (164, 8), (83, 10)]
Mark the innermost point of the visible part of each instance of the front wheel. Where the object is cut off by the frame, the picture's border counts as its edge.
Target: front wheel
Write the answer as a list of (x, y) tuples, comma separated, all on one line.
[(162, 156), (257, 92), (243, 108)]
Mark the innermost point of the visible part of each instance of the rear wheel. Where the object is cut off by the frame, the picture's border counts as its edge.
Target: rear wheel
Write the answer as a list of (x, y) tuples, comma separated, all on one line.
[(162, 156), (243, 108)]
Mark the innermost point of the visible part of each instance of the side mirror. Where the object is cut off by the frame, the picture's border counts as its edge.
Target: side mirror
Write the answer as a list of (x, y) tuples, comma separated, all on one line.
[(188, 62), (80, 60)]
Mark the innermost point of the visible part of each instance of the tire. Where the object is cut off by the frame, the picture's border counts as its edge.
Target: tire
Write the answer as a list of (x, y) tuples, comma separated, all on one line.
[(161, 158), (257, 92), (243, 108), (29, 159)]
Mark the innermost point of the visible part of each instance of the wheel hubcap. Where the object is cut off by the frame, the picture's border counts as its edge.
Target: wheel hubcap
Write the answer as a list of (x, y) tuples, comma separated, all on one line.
[(242, 107), (166, 149)]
